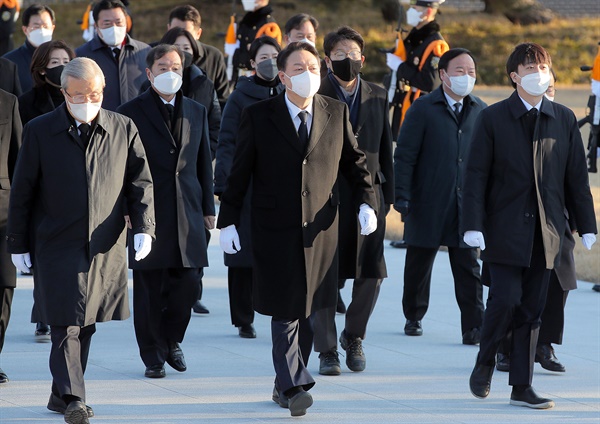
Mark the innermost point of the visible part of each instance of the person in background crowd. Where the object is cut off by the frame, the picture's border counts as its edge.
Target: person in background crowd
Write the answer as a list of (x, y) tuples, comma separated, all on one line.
[(10, 141), (174, 132), (294, 143), (38, 26), (249, 90), (522, 147), (360, 258), (121, 58), (210, 59), (429, 163), (78, 253), (9, 77), (9, 13)]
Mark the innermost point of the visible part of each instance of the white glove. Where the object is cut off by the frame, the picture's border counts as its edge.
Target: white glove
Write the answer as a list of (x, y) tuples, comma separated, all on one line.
[(474, 239), (367, 219), (22, 261), (142, 244), (231, 48), (230, 240), (393, 61), (587, 240)]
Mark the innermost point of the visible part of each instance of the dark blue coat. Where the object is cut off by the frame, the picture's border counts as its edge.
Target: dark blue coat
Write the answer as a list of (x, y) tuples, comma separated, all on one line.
[(22, 58), (123, 80), (429, 163)]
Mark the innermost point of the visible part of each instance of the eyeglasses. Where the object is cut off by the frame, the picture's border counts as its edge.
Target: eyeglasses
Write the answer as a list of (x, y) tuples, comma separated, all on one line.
[(341, 55), (93, 97)]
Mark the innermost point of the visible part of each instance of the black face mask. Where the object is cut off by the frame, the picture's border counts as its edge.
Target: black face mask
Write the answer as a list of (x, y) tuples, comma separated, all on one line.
[(188, 59), (53, 75), (347, 69)]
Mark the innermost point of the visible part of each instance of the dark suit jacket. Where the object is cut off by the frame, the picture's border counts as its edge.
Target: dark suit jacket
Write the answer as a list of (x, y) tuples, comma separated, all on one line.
[(294, 200), (10, 141), (123, 80), (183, 182), (21, 57), (360, 256), (9, 77), (505, 172)]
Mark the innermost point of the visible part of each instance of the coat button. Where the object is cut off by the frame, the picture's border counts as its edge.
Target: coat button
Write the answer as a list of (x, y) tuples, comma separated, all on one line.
[(304, 162), (526, 215), (172, 151), (177, 173), (305, 193), (460, 131), (305, 224), (460, 159)]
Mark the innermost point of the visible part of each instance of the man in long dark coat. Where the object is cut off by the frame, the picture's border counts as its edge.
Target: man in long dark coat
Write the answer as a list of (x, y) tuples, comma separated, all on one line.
[(79, 168), (361, 258), (292, 147), (429, 164), (174, 131), (10, 141), (526, 165)]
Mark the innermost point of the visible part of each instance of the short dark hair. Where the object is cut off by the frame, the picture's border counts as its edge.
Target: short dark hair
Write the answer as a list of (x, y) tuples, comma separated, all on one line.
[(159, 51), (41, 57), (524, 54), (451, 54), (36, 9), (298, 20), (186, 13), (107, 5), (173, 34), (261, 41), (343, 33), (291, 48)]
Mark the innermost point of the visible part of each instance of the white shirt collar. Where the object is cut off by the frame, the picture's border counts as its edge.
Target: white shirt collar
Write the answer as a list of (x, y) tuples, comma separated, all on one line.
[(451, 101), (528, 106), (172, 102), (295, 110)]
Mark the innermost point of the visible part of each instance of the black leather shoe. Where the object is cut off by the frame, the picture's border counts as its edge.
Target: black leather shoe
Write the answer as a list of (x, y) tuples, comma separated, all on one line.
[(596, 287), (299, 403), (355, 357), (56, 404), (341, 306), (330, 363), (398, 244), (247, 331), (530, 399), (472, 337), (502, 362), (42, 332), (3, 377), (155, 371), (175, 358), (413, 328), (199, 308), (280, 398), (481, 380), (544, 354), (76, 413)]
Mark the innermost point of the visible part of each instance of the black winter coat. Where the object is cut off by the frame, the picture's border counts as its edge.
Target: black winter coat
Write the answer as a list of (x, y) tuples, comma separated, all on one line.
[(21, 56), (36, 102), (515, 181)]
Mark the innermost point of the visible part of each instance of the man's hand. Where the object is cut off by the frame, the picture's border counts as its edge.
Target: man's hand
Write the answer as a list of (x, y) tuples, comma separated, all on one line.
[(142, 244), (393, 61), (402, 206), (22, 261), (209, 222), (474, 239), (230, 240), (367, 219)]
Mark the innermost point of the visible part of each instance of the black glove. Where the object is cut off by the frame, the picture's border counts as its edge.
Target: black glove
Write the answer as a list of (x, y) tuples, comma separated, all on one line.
[(402, 206)]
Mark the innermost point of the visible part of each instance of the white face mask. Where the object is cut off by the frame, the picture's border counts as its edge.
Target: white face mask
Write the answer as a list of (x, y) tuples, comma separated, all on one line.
[(114, 35), (461, 85), (84, 112), (306, 84), (535, 84), (248, 5), (307, 41), (168, 83), (40, 36), (413, 17)]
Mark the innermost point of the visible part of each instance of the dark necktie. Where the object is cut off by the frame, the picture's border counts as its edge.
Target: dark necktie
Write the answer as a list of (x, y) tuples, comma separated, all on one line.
[(170, 111), (116, 52), (531, 120), (84, 133), (303, 128), (457, 109)]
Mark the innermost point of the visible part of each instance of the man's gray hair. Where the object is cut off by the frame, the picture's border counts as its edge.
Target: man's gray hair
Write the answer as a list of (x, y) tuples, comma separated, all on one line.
[(81, 68)]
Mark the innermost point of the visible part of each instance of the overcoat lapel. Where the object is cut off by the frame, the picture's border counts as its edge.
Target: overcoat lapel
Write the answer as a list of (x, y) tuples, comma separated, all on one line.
[(320, 120), (283, 121), (150, 109), (363, 112)]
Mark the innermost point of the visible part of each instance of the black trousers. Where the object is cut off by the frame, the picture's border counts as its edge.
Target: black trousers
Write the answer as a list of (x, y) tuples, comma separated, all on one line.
[(467, 284), (553, 317), (6, 297), (68, 358), (239, 282), (292, 341), (365, 292), (517, 295), (162, 308)]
